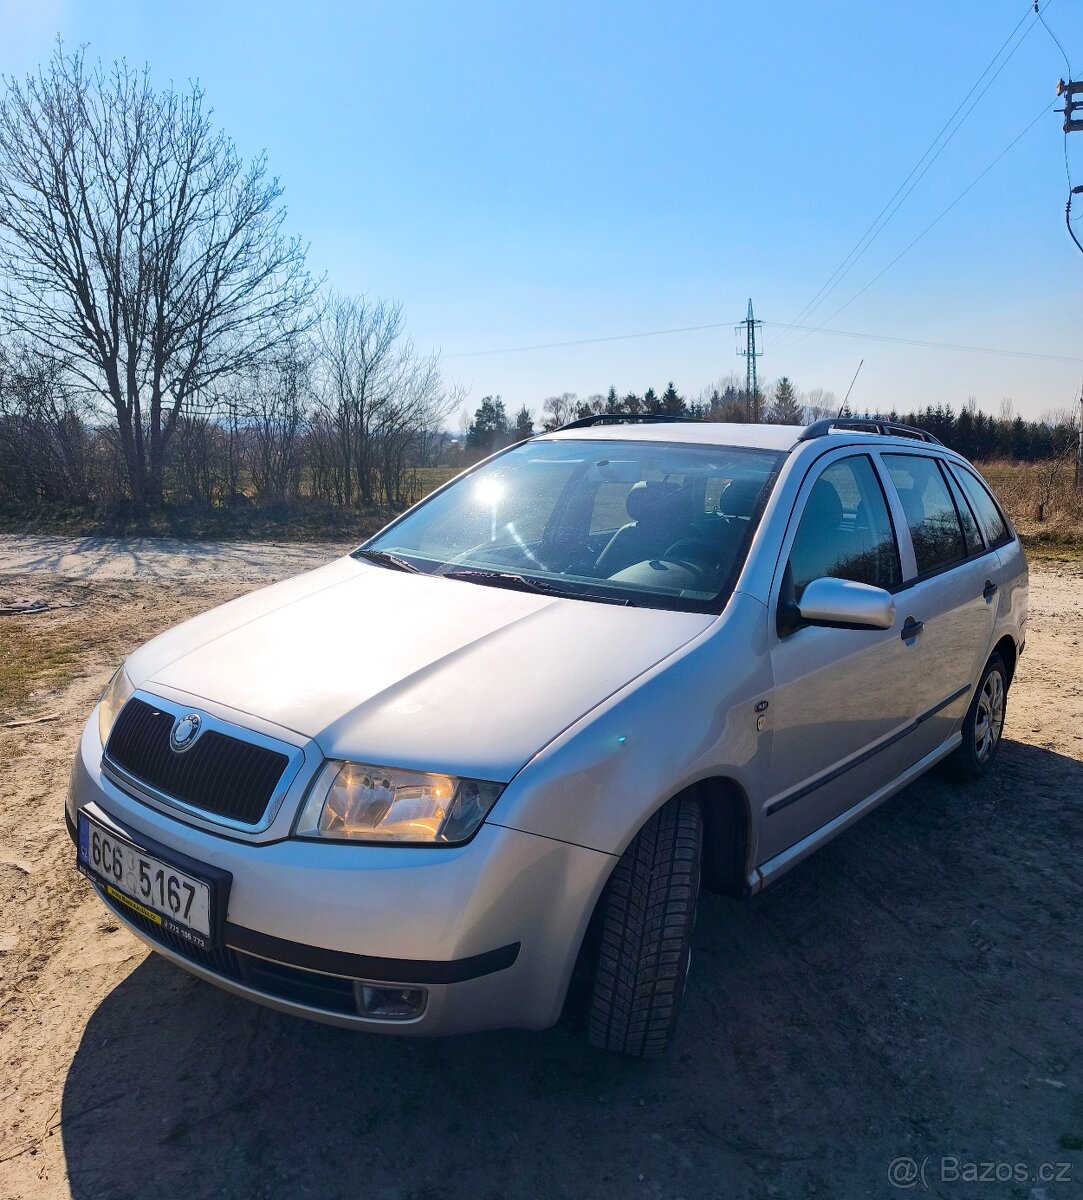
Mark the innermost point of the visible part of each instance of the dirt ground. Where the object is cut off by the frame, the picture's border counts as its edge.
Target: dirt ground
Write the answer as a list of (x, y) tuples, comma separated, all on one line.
[(914, 990)]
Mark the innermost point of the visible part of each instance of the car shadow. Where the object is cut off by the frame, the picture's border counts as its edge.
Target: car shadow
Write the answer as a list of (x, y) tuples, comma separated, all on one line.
[(906, 991)]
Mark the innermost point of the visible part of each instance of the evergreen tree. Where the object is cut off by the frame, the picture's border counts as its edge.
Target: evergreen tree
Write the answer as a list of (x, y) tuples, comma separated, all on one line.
[(612, 402), (524, 424), (1020, 439), (785, 408), (489, 429), (651, 402), (965, 434), (671, 403)]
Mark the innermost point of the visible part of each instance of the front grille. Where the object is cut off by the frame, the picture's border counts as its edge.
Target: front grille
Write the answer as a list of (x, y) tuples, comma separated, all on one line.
[(219, 774), (333, 993)]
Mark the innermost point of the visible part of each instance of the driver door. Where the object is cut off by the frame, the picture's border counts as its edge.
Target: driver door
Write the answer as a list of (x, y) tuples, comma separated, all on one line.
[(842, 697)]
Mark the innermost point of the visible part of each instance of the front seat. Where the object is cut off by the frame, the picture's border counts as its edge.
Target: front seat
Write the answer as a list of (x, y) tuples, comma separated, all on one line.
[(820, 545), (650, 505), (739, 497)]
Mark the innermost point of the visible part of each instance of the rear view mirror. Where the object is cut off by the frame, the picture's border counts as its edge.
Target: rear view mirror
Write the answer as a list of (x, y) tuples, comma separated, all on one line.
[(610, 470), (847, 605)]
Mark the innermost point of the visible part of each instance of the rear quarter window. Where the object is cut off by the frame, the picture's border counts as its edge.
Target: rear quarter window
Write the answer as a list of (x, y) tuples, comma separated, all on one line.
[(997, 530)]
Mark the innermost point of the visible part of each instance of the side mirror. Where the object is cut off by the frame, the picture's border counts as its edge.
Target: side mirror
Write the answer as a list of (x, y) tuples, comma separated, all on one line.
[(846, 605)]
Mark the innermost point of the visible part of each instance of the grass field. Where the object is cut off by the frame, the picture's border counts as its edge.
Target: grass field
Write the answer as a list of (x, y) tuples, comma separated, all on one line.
[(1043, 503)]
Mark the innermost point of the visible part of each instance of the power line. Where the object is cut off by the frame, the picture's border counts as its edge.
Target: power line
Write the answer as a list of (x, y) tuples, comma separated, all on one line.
[(880, 222), (871, 337), (883, 337), (1053, 35), (935, 221), (616, 337)]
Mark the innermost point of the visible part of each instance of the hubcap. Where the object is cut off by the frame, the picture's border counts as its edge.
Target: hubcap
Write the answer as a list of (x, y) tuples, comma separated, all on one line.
[(989, 719)]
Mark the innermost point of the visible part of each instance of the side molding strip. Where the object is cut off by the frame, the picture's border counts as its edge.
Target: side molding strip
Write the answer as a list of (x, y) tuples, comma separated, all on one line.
[(807, 790), (767, 872)]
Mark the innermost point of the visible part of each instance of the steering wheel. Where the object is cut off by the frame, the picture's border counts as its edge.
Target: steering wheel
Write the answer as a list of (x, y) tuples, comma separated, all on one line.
[(685, 551)]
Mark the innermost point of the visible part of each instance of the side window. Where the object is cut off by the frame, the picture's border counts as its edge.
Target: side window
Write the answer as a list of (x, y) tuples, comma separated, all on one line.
[(930, 512), (989, 514), (971, 532), (845, 530)]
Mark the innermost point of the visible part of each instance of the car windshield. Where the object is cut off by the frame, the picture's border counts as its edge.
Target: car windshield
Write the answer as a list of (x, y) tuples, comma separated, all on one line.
[(628, 522)]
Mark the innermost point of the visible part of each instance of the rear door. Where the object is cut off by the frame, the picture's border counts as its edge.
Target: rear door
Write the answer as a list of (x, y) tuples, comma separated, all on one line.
[(949, 606)]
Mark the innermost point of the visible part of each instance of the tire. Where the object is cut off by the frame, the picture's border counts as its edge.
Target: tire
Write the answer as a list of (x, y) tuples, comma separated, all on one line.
[(983, 725), (647, 914)]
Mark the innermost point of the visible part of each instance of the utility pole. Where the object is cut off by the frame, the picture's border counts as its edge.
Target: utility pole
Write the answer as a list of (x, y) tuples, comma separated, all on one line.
[(750, 349), (1079, 448), (1072, 91)]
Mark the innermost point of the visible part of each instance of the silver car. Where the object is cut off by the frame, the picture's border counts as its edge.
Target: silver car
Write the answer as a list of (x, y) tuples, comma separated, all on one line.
[(516, 731)]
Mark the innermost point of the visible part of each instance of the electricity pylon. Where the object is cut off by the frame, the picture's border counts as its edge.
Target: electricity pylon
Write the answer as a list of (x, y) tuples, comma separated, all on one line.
[(750, 347)]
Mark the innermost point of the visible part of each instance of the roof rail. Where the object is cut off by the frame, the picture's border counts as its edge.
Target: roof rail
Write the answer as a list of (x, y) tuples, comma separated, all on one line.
[(620, 419), (859, 425)]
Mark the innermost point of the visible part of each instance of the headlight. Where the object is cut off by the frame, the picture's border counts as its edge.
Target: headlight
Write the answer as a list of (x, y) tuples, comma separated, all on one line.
[(113, 700), (357, 802)]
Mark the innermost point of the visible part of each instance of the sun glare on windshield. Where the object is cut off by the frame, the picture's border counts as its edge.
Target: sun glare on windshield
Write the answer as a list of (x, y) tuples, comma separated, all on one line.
[(645, 523)]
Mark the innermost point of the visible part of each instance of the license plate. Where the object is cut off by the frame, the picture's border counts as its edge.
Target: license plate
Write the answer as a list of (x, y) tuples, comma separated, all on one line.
[(145, 884)]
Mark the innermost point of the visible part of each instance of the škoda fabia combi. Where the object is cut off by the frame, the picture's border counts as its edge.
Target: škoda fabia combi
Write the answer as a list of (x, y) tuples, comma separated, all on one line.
[(516, 731)]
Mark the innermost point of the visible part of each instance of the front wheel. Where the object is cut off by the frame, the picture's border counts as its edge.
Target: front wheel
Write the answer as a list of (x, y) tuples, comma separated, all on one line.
[(648, 911), (983, 724)]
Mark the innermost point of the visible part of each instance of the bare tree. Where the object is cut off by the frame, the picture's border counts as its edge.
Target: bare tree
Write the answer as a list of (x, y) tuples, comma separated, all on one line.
[(383, 401), (1063, 440), (559, 410), (44, 440), (362, 369), (198, 458), (138, 246), (274, 401), (819, 404)]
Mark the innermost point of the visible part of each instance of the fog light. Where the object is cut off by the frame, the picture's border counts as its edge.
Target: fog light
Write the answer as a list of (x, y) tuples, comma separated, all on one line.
[(389, 1003)]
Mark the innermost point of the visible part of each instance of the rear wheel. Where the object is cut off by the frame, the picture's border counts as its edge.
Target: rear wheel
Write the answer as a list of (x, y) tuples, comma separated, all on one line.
[(647, 914), (983, 724)]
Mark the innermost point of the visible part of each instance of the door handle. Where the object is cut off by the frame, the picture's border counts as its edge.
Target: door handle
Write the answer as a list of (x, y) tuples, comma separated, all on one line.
[(989, 590), (912, 628)]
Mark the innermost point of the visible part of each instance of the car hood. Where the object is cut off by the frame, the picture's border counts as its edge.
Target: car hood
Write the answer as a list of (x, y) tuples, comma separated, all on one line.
[(412, 671)]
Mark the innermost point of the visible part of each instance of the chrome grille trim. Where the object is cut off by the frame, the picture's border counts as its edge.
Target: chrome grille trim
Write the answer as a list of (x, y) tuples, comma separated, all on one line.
[(143, 791)]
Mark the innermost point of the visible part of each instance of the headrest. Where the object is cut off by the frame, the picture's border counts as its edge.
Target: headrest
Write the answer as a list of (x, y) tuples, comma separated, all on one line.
[(739, 496), (824, 505), (648, 498), (913, 506)]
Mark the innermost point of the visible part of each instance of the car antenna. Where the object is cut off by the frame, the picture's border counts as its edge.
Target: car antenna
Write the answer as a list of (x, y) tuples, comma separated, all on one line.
[(842, 406)]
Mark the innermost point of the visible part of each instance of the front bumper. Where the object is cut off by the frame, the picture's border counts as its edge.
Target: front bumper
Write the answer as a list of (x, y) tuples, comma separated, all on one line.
[(489, 930)]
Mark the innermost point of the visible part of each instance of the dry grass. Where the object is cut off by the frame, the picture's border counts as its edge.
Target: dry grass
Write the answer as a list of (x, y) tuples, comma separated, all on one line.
[(35, 656), (1043, 503)]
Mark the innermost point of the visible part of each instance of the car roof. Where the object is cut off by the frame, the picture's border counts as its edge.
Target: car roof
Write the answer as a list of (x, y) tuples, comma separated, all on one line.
[(697, 433), (721, 433)]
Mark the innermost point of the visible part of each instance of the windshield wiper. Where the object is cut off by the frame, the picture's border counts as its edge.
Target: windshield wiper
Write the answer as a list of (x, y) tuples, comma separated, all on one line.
[(525, 583), (384, 558)]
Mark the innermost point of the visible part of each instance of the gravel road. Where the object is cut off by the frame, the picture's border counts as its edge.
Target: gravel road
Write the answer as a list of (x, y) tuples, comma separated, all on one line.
[(913, 991)]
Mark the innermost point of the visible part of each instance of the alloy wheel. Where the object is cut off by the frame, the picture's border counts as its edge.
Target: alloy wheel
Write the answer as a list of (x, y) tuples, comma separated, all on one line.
[(989, 719)]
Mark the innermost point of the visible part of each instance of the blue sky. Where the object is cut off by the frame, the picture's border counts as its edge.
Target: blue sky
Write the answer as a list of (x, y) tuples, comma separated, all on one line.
[(531, 173)]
